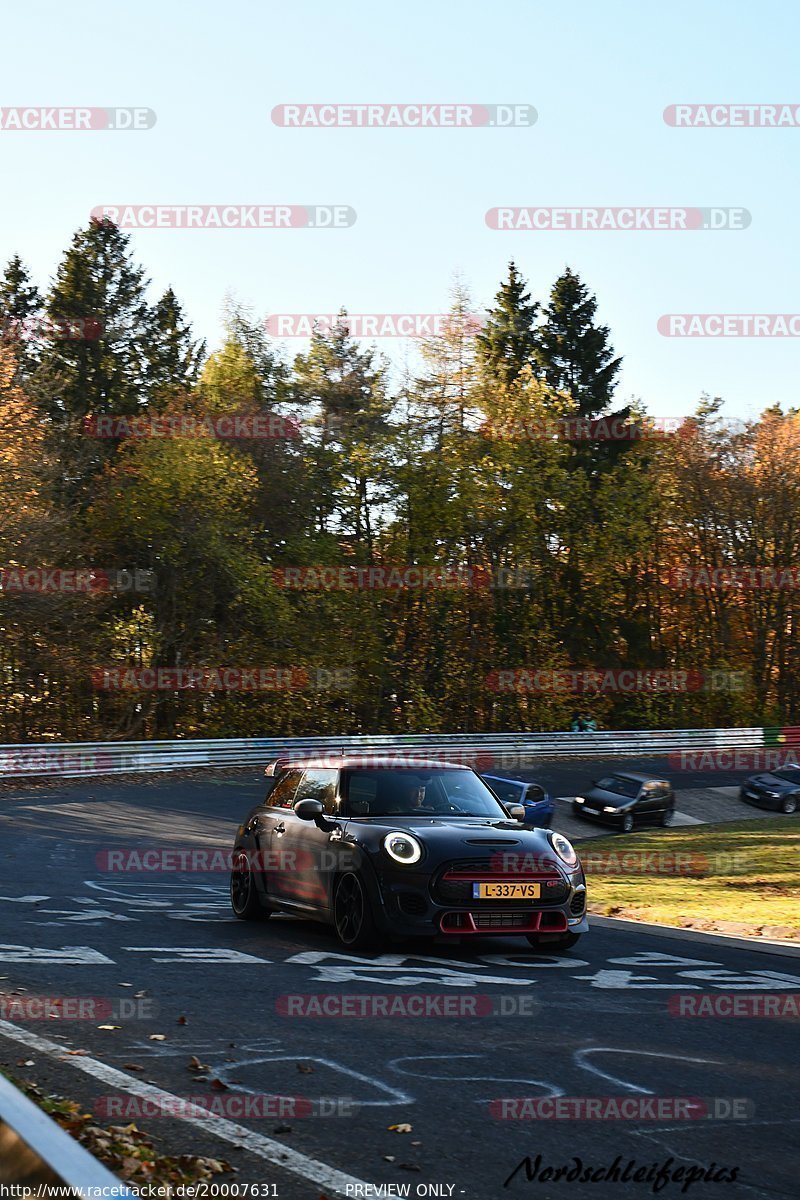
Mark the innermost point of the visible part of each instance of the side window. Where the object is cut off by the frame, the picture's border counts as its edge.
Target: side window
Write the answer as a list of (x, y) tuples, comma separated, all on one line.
[(509, 793), (282, 796), (362, 791), (535, 793), (318, 785)]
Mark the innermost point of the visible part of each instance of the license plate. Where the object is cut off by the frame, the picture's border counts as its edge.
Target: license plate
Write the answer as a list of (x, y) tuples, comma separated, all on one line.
[(506, 891), (593, 811), (754, 795)]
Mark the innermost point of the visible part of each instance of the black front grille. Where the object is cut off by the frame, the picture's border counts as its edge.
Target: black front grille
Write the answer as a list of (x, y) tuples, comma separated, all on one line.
[(491, 841), (577, 904), (497, 866), (501, 920), (553, 887), (413, 904)]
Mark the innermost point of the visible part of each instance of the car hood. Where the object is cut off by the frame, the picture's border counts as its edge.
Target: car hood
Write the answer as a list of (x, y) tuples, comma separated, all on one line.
[(611, 799), (449, 837), (772, 783)]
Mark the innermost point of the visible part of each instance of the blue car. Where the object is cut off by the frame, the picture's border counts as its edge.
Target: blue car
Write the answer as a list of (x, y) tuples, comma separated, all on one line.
[(537, 802)]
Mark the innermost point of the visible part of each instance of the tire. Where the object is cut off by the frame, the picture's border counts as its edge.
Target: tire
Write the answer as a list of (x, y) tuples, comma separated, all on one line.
[(789, 805), (667, 816), (627, 823), (244, 896), (559, 944), (353, 918), (576, 810)]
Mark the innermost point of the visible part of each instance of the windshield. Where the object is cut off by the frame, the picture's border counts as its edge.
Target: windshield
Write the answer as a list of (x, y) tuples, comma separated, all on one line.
[(620, 785), (791, 774), (416, 793)]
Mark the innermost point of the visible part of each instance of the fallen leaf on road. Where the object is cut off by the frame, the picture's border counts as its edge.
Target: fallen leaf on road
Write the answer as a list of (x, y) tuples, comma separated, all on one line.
[(109, 1027), (132, 1067), (305, 1069), (158, 1037), (402, 1128), (182, 1021)]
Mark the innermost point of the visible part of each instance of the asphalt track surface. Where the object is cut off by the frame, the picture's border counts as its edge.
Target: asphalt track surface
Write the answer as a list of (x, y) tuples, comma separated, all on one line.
[(599, 1022)]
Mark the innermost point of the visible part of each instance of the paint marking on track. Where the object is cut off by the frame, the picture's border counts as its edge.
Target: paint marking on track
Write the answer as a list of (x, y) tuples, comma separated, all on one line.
[(65, 955), (580, 1058), (328, 1178)]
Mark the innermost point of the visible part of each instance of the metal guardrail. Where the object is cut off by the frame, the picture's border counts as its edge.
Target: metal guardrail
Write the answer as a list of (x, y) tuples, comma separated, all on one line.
[(496, 750), (36, 1153)]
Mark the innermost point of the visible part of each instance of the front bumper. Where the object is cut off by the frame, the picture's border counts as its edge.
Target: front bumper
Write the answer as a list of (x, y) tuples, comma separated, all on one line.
[(614, 820), (760, 799), (411, 907)]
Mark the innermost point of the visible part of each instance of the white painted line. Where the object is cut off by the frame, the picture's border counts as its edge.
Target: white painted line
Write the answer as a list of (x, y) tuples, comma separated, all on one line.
[(580, 1058), (66, 955), (679, 818), (328, 1178), (762, 945)]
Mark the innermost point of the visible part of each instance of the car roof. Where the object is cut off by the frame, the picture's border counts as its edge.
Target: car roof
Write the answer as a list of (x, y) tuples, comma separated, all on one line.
[(639, 777), (379, 761), (506, 779)]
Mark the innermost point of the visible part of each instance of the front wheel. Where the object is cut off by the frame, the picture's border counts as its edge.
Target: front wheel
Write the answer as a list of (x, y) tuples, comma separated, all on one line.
[(244, 897), (352, 913), (667, 816), (627, 823), (789, 805), (558, 943)]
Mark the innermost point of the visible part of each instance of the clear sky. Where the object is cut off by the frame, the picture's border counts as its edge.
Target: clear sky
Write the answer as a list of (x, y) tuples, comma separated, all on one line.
[(599, 75)]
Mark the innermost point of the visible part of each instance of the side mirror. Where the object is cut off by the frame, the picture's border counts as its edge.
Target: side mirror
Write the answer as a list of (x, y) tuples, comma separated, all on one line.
[(309, 810), (516, 812)]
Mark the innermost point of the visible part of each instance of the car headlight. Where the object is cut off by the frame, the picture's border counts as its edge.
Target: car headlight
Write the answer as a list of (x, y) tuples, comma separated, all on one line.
[(564, 849), (610, 808), (402, 847), (580, 799)]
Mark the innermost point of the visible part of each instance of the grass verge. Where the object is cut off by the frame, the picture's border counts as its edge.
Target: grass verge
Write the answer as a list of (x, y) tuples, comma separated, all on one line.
[(738, 878)]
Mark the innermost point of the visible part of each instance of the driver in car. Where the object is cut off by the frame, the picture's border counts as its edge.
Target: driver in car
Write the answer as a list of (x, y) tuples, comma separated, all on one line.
[(411, 798)]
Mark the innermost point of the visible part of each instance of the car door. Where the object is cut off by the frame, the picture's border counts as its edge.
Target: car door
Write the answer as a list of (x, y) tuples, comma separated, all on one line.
[(663, 799), (651, 801), (272, 816), (303, 850)]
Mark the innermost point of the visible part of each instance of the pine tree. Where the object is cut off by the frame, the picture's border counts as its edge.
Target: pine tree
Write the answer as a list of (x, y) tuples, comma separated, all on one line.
[(20, 306), (98, 363), (575, 357), (508, 340), (573, 353), (173, 358), (349, 386)]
